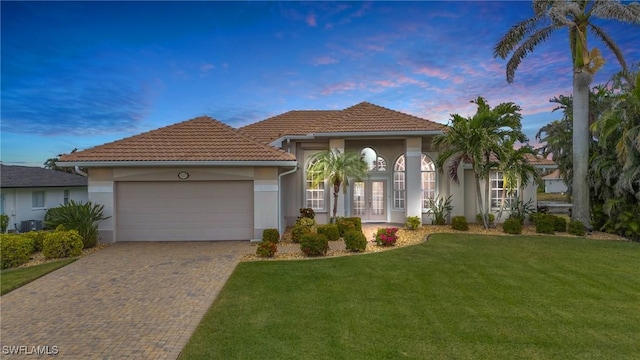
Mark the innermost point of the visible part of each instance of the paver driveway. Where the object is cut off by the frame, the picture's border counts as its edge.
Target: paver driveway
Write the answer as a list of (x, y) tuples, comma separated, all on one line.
[(128, 301)]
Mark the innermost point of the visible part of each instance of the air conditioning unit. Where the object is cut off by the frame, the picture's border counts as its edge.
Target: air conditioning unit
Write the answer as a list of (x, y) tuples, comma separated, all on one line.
[(30, 225)]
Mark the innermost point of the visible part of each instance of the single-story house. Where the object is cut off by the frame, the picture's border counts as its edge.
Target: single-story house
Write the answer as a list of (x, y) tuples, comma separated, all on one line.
[(203, 180), (554, 183), (27, 192)]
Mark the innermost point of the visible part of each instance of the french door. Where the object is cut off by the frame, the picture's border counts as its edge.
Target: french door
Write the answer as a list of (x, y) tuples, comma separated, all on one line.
[(369, 200)]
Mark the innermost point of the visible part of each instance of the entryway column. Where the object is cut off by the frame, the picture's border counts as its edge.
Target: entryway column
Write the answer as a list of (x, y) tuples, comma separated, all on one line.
[(337, 144), (413, 154)]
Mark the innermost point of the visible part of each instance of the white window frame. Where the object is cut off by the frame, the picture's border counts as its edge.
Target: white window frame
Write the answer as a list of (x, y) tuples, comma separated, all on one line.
[(380, 163), (400, 183), (427, 168), (66, 196), (320, 190), (496, 184), (37, 201)]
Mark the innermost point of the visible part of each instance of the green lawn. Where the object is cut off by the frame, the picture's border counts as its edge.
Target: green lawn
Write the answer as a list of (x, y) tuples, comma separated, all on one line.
[(457, 296), (14, 278)]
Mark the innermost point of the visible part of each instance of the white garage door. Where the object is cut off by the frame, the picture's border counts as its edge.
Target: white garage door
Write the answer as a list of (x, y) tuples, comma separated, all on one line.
[(175, 211)]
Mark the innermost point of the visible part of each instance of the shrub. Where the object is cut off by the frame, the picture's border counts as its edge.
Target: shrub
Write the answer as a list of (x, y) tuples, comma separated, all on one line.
[(345, 225), (512, 226), (37, 237), (576, 228), (356, 221), (545, 224), (490, 217), (520, 218), (355, 241), (266, 249), (4, 223), (307, 213), (439, 208), (534, 216), (62, 244), (413, 222), (83, 217), (330, 231), (14, 250), (459, 223), (559, 223), (303, 226), (386, 236), (271, 235), (314, 244)]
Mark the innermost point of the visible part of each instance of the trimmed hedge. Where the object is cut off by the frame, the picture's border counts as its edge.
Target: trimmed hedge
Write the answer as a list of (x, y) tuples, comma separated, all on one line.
[(314, 244), (272, 235), (266, 249), (303, 226), (345, 225), (356, 221), (490, 217), (576, 228), (545, 223), (330, 231), (37, 237), (413, 222), (512, 226), (559, 223), (459, 223), (62, 244), (355, 241), (14, 250)]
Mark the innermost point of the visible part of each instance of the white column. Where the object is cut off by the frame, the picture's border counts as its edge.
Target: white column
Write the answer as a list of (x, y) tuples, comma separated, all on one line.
[(265, 200), (333, 145), (413, 154), (101, 190)]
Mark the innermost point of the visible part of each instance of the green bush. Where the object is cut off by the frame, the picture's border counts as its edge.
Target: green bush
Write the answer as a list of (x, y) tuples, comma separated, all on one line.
[(307, 213), (559, 223), (355, 241), (62, 244), (37, 237), (330, 231), (545, 223), (314, 244), (345, 225), (303, 226), (512, 226), (490, 217), (266, 249), (459, 223), (271, 235), (576, 228), (357, 222), (386, 236), (83, 217), (413, 222), (4, 223), (520, 218), (534, 216), (14, 250)]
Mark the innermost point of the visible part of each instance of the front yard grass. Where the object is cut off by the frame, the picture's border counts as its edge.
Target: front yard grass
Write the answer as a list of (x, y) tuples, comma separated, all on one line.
[(12, 279), (456, 296)]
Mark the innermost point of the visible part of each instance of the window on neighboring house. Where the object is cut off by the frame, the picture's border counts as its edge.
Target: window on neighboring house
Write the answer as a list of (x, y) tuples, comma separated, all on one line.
[(37, 199), (314, 194), (399, 185), (373, 161), (428, 170), (497, 184), (66, 197)]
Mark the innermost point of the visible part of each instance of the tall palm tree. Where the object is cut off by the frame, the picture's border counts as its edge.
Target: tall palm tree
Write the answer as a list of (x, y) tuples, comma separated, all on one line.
[(477, 140), (337, 168), (577, 17)]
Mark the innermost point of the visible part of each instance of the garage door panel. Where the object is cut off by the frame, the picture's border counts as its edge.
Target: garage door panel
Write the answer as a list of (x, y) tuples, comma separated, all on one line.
[(212, 210)]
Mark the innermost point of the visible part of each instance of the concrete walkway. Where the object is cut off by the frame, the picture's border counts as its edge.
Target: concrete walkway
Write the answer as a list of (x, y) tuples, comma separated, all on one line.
[(128, 301)]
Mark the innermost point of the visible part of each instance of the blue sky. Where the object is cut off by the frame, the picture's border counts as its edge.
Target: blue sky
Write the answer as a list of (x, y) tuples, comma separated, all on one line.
[(79, 74)]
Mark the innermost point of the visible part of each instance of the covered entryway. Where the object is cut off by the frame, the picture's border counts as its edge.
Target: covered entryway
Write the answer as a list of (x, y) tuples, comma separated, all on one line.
[(369, 200), (184, 211)]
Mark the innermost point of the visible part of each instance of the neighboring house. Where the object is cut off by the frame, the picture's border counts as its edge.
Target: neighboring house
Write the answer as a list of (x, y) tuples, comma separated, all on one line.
[(27, 193), (554, 183), (203, 180)]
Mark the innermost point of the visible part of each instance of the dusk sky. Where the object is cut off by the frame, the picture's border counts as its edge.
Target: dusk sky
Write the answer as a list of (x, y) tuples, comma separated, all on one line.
[(79, 74)]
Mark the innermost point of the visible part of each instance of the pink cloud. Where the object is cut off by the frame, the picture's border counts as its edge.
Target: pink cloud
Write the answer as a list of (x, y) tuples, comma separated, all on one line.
[(311, 20), (324, 60), (339, 87), (432, 72)]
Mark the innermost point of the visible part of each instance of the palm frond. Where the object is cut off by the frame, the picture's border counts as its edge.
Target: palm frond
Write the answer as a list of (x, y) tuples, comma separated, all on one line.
[(527, 47), (608, 41), (614, 10), (514, 36)]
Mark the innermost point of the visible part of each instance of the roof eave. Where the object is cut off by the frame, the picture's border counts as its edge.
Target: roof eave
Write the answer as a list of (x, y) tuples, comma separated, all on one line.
[(234, 163), (378, 133)]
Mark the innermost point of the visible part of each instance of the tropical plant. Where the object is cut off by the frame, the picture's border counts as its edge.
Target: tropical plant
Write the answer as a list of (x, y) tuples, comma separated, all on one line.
[(337, 168), (577, 17), (516, 171), (520, 210), (4, 223), (413, 222), (83, 217), (479, 140), (440, 208)]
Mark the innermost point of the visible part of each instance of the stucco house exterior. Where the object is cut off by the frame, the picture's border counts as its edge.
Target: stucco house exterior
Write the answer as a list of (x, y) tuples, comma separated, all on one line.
[(554, 183), (203, 180), (27, 192)]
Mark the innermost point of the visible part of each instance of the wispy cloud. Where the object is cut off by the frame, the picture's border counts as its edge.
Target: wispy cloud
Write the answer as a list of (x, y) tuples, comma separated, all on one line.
[(311, 20), (324, 60), (339, 87)]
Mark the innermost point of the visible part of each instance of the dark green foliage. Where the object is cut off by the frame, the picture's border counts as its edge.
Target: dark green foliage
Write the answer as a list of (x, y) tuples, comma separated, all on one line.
[(330, 231), (517, 217), (491, 217), (271, 235), (37, 237), (314, 244), (345, 225), (413, 222), (4, 223), (545, 223), (307, 213), (14, 250), (459, 223), (559, 224), (303, 226), (512, 226), (521, 209), (357, 222), (576, 228), (533, 217), (355, 241), (266, 249), (62, 244), (83, 217)]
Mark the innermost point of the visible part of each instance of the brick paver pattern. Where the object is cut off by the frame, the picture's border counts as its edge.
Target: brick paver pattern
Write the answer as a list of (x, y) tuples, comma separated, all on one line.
[(129, 301)]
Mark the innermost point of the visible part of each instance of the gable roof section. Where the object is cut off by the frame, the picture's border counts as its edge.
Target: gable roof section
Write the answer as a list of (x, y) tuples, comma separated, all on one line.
[(554, 175), (12, 176), (202, 140), (361, 118)]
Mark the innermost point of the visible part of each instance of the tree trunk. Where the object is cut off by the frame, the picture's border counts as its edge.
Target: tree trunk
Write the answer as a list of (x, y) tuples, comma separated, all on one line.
[(480, 205), (502, 200), (580, 188), (336, 191)]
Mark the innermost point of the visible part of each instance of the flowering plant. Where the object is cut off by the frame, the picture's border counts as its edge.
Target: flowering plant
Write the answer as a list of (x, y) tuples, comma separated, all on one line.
[(386, 236)]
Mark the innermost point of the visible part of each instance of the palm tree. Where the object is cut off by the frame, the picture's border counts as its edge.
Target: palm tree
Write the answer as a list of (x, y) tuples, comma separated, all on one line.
[(577, 17), (477, 140), (337, 168), (516, 170)]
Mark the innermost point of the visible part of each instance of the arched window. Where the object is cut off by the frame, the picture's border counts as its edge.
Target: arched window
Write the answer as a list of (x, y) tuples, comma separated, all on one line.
[(399, 185), (428, 177), (373, 161), (314, 194)]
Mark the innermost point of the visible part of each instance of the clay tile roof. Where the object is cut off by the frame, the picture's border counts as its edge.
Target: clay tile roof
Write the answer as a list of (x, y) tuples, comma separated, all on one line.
[(297, 122), (12, 176), (539, 160), (199, 139), (555, 174)]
